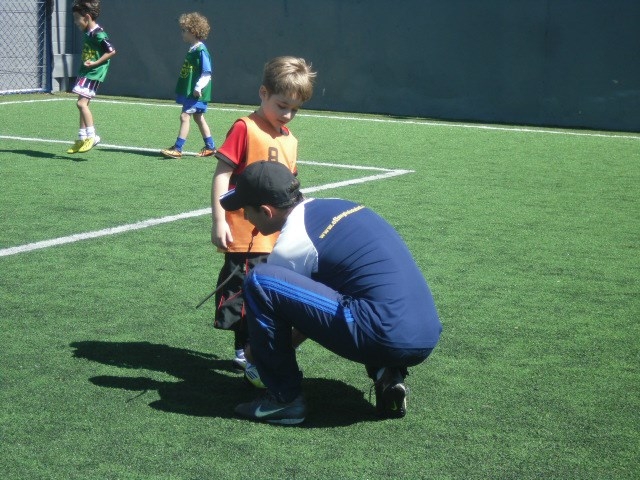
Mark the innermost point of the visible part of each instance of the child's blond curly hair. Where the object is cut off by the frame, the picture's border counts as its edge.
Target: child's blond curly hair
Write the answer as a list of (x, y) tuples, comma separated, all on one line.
[(196, 24)]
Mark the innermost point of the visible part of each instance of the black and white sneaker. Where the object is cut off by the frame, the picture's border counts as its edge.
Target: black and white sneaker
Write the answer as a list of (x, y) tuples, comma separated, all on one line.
[(267, 408), (239, 364), (252, 376), (391, 394)]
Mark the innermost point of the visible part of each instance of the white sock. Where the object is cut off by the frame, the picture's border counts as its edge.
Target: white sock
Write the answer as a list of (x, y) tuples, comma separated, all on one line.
[(91, 132), (240, 353), (82, 133)]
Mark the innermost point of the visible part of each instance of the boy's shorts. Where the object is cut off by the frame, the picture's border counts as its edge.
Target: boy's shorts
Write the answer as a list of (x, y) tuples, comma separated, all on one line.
[(86, 88), (192, 105), (229, 299)]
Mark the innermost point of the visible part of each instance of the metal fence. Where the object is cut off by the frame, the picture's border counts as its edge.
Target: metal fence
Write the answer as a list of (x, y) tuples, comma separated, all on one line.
[(25, 46)]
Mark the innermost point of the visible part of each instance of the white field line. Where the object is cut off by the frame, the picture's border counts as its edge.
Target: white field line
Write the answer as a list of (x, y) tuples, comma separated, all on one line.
[(426, 123), (35, 101), (386, 173), (5, 252), (346, 183)]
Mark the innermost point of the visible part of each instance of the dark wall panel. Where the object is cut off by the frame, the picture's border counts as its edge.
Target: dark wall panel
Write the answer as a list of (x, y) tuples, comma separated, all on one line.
[(573, 63)]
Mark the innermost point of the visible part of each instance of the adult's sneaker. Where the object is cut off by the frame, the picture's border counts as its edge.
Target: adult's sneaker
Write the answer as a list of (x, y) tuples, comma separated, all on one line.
[(267, 408), (171, 152), (391, 394)]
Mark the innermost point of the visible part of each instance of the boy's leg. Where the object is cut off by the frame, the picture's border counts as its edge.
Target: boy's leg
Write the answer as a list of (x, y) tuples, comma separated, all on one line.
[(82, 131), (185, 119), (209, 146), (86, 118), (86, 90), (198, 117), (83, 143), (230, 303), (240, 339), (229, 298), (175, 151)]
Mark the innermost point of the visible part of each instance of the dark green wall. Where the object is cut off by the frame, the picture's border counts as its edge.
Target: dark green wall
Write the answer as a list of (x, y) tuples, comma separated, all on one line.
[(571, 63)]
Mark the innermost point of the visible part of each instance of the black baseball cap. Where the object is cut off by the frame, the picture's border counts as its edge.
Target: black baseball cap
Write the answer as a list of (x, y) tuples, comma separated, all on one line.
[(263, 183)]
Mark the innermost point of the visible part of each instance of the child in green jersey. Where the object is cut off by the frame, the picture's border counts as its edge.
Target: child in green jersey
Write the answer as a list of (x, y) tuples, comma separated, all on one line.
[(193, 90), (96, 55)]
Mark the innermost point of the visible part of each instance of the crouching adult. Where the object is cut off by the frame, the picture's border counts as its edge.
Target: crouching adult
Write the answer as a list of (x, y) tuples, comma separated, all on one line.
[(338, 274)]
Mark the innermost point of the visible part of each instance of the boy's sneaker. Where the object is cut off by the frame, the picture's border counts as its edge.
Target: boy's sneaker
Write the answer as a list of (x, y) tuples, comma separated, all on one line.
[(76, 146), (391, 394), (171, 152), (252, 376), (267, 408), (206, 152), (87, 145), (239, 364), (96, 140)]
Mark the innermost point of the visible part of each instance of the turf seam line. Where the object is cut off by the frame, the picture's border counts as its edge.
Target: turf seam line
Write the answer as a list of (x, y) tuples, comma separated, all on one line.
[(539, 130)]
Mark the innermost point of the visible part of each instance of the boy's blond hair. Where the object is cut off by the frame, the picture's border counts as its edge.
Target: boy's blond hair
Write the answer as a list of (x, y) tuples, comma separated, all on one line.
[(196, 24), (289, 76)]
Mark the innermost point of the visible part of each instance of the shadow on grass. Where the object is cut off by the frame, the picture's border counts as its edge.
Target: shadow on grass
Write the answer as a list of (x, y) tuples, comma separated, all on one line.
[(205, 385), (47, 155)]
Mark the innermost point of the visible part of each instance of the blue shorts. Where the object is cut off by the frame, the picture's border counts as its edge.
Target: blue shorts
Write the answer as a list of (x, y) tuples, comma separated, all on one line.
[(192, 105)]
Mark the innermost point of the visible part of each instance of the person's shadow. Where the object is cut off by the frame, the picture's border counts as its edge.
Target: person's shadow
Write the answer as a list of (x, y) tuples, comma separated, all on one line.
[(205, 387), (47, 155)]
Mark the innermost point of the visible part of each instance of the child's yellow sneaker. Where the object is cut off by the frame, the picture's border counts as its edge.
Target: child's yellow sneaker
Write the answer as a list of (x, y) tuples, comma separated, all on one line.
[(75, 148), (87, 145)]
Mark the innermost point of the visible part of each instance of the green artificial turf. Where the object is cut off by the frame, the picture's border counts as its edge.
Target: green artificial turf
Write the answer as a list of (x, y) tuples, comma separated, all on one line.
[(527, 237)]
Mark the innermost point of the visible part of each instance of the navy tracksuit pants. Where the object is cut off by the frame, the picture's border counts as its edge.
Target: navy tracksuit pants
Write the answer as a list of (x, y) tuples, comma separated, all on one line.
[(278, 299)]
